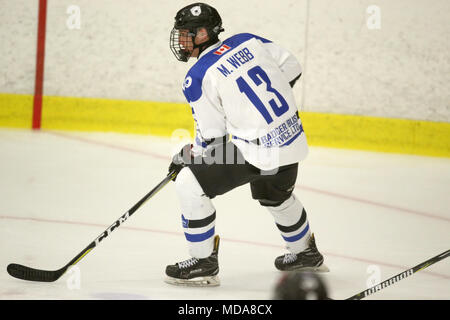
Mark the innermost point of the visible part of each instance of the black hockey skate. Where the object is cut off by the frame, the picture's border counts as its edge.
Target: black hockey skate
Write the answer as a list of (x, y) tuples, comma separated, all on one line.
[(196, 272), (307, 260)]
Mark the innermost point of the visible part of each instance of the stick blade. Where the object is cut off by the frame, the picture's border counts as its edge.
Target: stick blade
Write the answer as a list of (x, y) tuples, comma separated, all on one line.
[(25, 273)]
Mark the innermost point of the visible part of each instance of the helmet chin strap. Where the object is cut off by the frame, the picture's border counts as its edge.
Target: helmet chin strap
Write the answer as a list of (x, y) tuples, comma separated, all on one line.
[(204, 45)]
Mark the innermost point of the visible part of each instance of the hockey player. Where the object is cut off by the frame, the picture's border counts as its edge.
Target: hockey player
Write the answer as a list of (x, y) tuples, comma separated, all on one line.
[(247, 131)]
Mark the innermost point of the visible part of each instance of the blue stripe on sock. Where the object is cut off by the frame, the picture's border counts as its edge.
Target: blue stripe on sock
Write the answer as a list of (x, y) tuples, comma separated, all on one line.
[(201, 236), (298, 236)]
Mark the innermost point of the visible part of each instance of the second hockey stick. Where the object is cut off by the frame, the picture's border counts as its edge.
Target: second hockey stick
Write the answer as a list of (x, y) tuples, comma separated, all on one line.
[(26, 273), (399, 276)]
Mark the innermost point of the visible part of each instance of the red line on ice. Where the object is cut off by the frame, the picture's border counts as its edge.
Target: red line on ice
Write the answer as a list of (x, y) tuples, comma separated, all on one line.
[(180, 234)]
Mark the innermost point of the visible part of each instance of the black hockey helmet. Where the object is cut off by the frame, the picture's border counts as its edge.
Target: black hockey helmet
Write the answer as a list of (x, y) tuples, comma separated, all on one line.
[(300, 286), (191, 18)]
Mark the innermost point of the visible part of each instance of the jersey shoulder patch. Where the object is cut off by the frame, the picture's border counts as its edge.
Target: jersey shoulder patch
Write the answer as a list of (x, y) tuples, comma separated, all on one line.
[(192, 87)]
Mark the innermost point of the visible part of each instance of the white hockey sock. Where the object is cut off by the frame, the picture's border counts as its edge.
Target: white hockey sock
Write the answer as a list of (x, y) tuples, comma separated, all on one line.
[(290, 218), (198, 214)]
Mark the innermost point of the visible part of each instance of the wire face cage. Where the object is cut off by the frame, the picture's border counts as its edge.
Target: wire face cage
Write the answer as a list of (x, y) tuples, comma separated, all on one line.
[(181, 44)]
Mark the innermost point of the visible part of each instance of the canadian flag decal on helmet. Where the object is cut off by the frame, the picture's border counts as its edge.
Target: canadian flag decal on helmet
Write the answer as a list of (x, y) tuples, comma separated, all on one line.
[(224, 48)]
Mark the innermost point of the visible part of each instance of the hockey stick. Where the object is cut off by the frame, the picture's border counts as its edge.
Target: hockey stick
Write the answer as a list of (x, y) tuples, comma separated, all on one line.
[(27, 273), (400, 276)]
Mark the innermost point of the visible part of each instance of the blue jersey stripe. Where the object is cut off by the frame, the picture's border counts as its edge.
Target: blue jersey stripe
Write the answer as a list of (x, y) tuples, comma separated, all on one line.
[(294, 137)]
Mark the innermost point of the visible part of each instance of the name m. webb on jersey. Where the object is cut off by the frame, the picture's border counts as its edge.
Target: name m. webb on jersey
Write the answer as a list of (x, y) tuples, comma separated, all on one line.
[(236, 60)]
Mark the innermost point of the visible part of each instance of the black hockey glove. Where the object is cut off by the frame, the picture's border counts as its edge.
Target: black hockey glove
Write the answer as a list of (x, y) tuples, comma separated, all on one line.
[(180, 160)]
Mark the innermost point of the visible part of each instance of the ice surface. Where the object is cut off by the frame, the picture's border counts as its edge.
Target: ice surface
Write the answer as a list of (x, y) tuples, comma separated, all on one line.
[(374, 215)]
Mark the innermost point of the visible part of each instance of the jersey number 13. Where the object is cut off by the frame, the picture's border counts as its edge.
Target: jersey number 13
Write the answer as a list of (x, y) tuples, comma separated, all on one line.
[(258, 75)]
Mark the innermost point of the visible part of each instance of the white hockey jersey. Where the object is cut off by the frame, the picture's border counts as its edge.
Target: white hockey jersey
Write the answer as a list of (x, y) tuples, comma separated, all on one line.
[(241, 87)]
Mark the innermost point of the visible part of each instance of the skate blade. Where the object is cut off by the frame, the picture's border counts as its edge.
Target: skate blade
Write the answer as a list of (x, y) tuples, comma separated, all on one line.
[(321, 269), (213, 281)]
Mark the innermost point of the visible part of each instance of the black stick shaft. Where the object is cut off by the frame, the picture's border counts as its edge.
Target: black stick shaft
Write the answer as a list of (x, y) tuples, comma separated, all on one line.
[(27, 273), (119, 221), (399, 276)]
